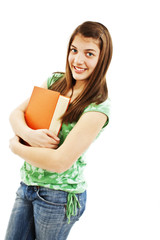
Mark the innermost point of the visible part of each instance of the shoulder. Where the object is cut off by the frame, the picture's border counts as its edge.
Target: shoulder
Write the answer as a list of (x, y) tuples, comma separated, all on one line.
[(103, 107), (53, 78)]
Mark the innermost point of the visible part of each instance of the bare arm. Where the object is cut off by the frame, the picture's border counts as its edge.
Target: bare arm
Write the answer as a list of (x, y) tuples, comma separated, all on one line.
[(39, 138), (77, 141)]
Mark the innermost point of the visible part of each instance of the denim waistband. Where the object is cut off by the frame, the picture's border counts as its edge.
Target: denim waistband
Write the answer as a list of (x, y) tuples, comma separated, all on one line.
[(72, 200)]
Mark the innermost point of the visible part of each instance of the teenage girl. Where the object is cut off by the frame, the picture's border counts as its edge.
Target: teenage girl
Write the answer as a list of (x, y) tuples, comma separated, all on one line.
[(52, 194)]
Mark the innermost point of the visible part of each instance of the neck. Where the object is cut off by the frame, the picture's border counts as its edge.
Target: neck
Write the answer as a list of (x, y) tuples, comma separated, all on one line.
[(79, 85)]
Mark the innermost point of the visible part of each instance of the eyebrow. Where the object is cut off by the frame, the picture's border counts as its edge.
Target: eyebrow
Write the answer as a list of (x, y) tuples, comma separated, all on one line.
[(85, 49)]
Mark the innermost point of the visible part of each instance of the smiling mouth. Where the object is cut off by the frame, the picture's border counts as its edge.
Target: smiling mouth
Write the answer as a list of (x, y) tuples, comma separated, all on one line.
[(80, 70)]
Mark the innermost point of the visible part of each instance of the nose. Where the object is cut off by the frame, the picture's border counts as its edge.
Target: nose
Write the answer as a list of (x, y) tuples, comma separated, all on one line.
[(79, 59)]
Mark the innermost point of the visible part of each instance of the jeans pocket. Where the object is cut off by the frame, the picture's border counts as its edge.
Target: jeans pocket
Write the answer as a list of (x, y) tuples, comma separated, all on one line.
[(52, 197)]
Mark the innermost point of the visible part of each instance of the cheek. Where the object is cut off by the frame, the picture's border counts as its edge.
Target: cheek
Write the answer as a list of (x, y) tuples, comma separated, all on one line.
[(93, 64)]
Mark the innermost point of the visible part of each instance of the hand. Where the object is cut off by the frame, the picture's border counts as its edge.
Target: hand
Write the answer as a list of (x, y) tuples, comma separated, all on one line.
[(14, 143), (42, 138)]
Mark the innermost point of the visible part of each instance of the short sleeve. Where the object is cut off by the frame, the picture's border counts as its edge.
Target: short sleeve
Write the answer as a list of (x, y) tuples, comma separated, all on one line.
[(102, 107), (54, 78)]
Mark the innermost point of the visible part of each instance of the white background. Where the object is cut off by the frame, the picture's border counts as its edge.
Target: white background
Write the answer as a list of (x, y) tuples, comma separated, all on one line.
[(123, 165)]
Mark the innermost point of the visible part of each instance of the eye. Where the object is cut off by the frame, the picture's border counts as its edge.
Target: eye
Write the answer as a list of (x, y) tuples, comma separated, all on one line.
[(89, 54), (73, 50)]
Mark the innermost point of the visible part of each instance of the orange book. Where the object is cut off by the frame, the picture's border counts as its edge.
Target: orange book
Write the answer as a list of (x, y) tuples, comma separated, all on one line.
[(45, 109)]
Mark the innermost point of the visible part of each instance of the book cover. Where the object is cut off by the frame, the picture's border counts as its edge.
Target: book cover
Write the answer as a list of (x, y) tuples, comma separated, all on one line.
[(45, 109)]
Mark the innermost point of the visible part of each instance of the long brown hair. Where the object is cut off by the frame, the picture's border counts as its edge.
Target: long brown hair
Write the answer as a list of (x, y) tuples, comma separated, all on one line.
[(96, 87)]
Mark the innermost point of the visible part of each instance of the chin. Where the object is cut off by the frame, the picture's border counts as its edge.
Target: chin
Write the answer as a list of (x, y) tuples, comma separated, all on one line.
[(79, 77)]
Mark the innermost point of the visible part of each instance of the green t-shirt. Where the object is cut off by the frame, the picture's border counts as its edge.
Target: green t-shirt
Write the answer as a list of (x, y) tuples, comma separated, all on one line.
[(72, 180)]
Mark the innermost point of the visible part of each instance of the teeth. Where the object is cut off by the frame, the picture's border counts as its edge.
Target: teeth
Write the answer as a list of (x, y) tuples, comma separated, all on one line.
[(79, 69)]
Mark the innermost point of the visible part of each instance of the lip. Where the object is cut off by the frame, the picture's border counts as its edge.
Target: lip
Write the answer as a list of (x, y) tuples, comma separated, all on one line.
[(79, 69)]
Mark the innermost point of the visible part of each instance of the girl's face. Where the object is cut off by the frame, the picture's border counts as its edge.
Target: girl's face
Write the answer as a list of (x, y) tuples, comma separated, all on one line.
[(83, 57)]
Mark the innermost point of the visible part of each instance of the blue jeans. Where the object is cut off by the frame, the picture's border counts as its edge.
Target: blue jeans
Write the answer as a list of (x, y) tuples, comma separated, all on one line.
[(40, 213)]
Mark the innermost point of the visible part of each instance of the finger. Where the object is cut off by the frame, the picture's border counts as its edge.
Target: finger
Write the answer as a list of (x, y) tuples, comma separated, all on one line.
[(51, 134), (52, 146), (51, 141)]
